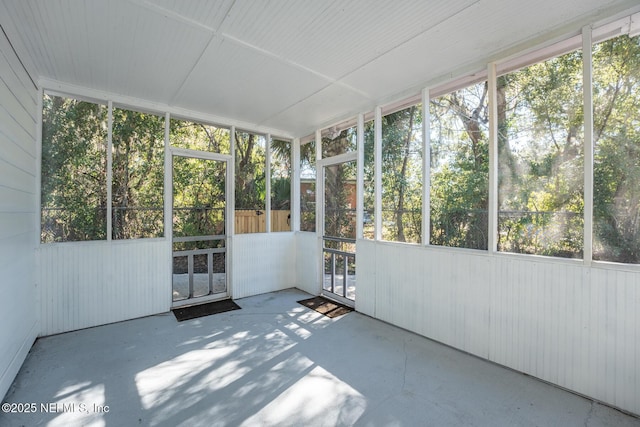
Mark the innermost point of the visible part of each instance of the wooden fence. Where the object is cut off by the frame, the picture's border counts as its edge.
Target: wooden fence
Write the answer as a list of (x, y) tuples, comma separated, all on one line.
[(254, 221)]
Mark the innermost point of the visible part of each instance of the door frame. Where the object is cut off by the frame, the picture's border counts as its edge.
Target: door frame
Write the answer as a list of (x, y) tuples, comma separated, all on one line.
[(229, 217), (351, 156)]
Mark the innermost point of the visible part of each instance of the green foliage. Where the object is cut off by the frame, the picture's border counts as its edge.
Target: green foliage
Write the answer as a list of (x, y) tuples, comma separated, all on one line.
[(200, 136), (616, 99), (138, 174), (339, 216), (74, 187), (369, 182), (402, 175), (308, 189), (541, 155), (198, 199), (541, 192), (199, 186), (73, 192), (540, 166), (250, 171), (460, 169), (280, 175)]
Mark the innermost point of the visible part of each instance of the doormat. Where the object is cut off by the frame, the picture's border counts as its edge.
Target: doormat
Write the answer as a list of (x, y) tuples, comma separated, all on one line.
[(201, 310), (326, 306)]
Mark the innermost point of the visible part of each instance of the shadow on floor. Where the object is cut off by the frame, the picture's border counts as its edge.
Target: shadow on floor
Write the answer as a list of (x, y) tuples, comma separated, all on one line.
[(277, 363)]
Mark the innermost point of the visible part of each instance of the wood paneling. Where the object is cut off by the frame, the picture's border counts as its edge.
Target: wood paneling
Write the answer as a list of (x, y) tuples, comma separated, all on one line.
[(95, 283), (262, 263), (306, 263), (557, 320)]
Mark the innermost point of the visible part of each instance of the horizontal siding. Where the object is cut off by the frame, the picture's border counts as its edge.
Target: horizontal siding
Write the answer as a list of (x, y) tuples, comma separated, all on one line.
[(95, 283), (18, 233), (16, 178), (10, 151), (11, 104), (307, 276), (574, 326), (262, 263), (12, 132), (17, 223), (18, 81), (13, 200)]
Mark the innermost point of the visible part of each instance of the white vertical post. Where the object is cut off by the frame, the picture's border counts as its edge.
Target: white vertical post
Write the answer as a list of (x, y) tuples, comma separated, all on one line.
[(294, 204), (378, 172), (493, 159), (319, 186), (319, 211), (109, 169), (38, 207), (230, 209), (231, 186), (168, 180), (426, 168), (587, 76), (360, 178), (168, 200), (267, 183)]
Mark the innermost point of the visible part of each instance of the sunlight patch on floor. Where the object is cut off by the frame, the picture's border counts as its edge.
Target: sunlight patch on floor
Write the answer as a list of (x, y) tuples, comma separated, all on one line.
[(300, 404), (85, 403)]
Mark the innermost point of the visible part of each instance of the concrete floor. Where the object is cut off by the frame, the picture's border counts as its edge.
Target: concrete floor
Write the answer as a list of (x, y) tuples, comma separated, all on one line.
[(277, 363)]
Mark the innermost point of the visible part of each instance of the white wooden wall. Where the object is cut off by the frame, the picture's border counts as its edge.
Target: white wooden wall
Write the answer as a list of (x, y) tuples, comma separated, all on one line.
[(18, 232), (262, 262), (306, 263), (574, 326), (87, 284)]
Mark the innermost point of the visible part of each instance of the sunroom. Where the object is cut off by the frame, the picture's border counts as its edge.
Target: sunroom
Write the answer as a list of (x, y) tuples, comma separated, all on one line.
[(467, 171)]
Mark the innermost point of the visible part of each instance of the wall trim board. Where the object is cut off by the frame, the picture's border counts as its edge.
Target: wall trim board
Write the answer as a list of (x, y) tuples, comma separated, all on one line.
[(9, 373)]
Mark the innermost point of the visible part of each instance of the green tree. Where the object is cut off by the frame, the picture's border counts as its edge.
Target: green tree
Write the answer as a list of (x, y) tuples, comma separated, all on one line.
[(250, 171), (74, 169), (540, 123), (616, 90), (459, 168), (280, 174), (401, 175), (199, 186), (339, 181), (138, 174)]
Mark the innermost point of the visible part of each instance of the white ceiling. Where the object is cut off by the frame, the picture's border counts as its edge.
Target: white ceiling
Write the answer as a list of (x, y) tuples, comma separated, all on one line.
[(288, 65)]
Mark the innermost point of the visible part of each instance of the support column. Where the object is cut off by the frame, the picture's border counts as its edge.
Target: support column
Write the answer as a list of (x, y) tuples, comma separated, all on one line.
[(109, 171), (587, 76), (360, 178), (426, 168), (378, 172), (267, 183), (492, 244), (295, 186)]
